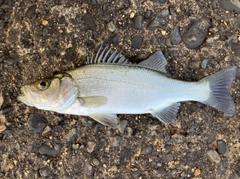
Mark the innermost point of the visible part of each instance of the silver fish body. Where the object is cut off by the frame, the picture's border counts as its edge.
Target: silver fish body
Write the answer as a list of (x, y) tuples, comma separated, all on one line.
[(110, 85)]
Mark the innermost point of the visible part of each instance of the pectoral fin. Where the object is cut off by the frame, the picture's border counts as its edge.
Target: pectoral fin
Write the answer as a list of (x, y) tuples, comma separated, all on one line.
[(110, 120), (167, 115), (93, 101)]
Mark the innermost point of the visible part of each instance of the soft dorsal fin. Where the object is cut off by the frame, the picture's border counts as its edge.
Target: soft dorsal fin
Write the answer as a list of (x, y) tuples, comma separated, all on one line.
[(157, 62), (108, 56), (167, 115)]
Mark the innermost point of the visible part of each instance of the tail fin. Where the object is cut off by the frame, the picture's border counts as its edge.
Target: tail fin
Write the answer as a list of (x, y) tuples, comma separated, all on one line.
[(220, 85)]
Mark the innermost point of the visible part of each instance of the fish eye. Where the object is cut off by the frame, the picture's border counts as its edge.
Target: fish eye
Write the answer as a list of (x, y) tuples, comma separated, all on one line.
[(43, 85)]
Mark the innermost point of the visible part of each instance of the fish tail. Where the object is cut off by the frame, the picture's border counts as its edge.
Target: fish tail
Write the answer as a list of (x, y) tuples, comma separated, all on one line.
[(220, 84)]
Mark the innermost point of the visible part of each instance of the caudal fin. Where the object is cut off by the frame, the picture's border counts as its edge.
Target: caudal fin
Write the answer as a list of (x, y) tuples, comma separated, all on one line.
[(220, 85)]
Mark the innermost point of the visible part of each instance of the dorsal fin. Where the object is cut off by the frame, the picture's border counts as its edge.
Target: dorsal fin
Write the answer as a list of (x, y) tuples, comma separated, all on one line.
[(108, 56), (157, 62)]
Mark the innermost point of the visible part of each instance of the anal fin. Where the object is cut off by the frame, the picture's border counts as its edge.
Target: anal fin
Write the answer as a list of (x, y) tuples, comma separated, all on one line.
[(167, 115), (110, 120)]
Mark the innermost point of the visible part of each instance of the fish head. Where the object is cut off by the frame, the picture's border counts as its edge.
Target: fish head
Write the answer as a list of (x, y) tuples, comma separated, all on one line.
[(55, 94)]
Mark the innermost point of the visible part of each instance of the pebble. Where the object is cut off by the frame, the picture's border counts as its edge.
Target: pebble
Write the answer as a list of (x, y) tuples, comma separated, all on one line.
[(44, 172), (31, 11), (197, 172), (71, 135), (115, 39), (159, 21), (160, 1), (236, 48), (116, 141), (204, 63), (212, 137), (230, 5), (87, 122), (46, 150), (89, 22), (137, 41), (96, 162), (1, 101), (44, 22), (122, 126), (221, 147), (37, 123), (136, 175), (111, 26), (129, 131), (88, 169), (2, 128), (137, 22), (91, 147), (148, 150), (213, 156), (175, 36), (46, 130), (196, 33), (67, 177)]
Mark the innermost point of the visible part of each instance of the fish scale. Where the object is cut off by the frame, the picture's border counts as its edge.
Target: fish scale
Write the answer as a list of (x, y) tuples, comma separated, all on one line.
[(109, 84)]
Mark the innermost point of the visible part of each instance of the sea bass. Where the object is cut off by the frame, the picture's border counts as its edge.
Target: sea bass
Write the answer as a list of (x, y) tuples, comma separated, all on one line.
[(109, 85)]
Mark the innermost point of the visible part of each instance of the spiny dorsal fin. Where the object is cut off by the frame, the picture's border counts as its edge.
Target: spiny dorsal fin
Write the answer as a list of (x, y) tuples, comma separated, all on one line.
[(157, 62), (108, 56)]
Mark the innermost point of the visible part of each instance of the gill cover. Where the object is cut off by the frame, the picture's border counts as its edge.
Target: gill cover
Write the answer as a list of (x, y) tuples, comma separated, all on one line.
[(55, 94)]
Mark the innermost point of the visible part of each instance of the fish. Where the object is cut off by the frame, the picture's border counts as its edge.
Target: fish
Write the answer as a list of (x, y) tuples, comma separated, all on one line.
[(109, 84)]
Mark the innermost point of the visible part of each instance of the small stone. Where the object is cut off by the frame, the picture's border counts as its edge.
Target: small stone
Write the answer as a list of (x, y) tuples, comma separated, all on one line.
[(95, 162), (230, 5), (204, 63), (221, 147), (115, 39), (137, 22), (2, 128), (46, 130), (44, 172), (122, 126), (1, 100), (160, 1), (137, 41), (44, 22), (75, 146), (213, 156), (148, 150), (136, 175), (196, 33), (167, 138), (236, 48), (71, 135), (89, 22), (175, 36), (31, 11), (212, 137), (129, 131), (37, 123), (111, 27), (87, 122), (67, 177), (159, 21), (46, 150), (88, 169), (91, 147), (116, 141), (197, 172)]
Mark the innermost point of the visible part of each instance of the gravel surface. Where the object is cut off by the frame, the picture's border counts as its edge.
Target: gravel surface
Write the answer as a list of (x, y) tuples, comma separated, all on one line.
[(41, 38)]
